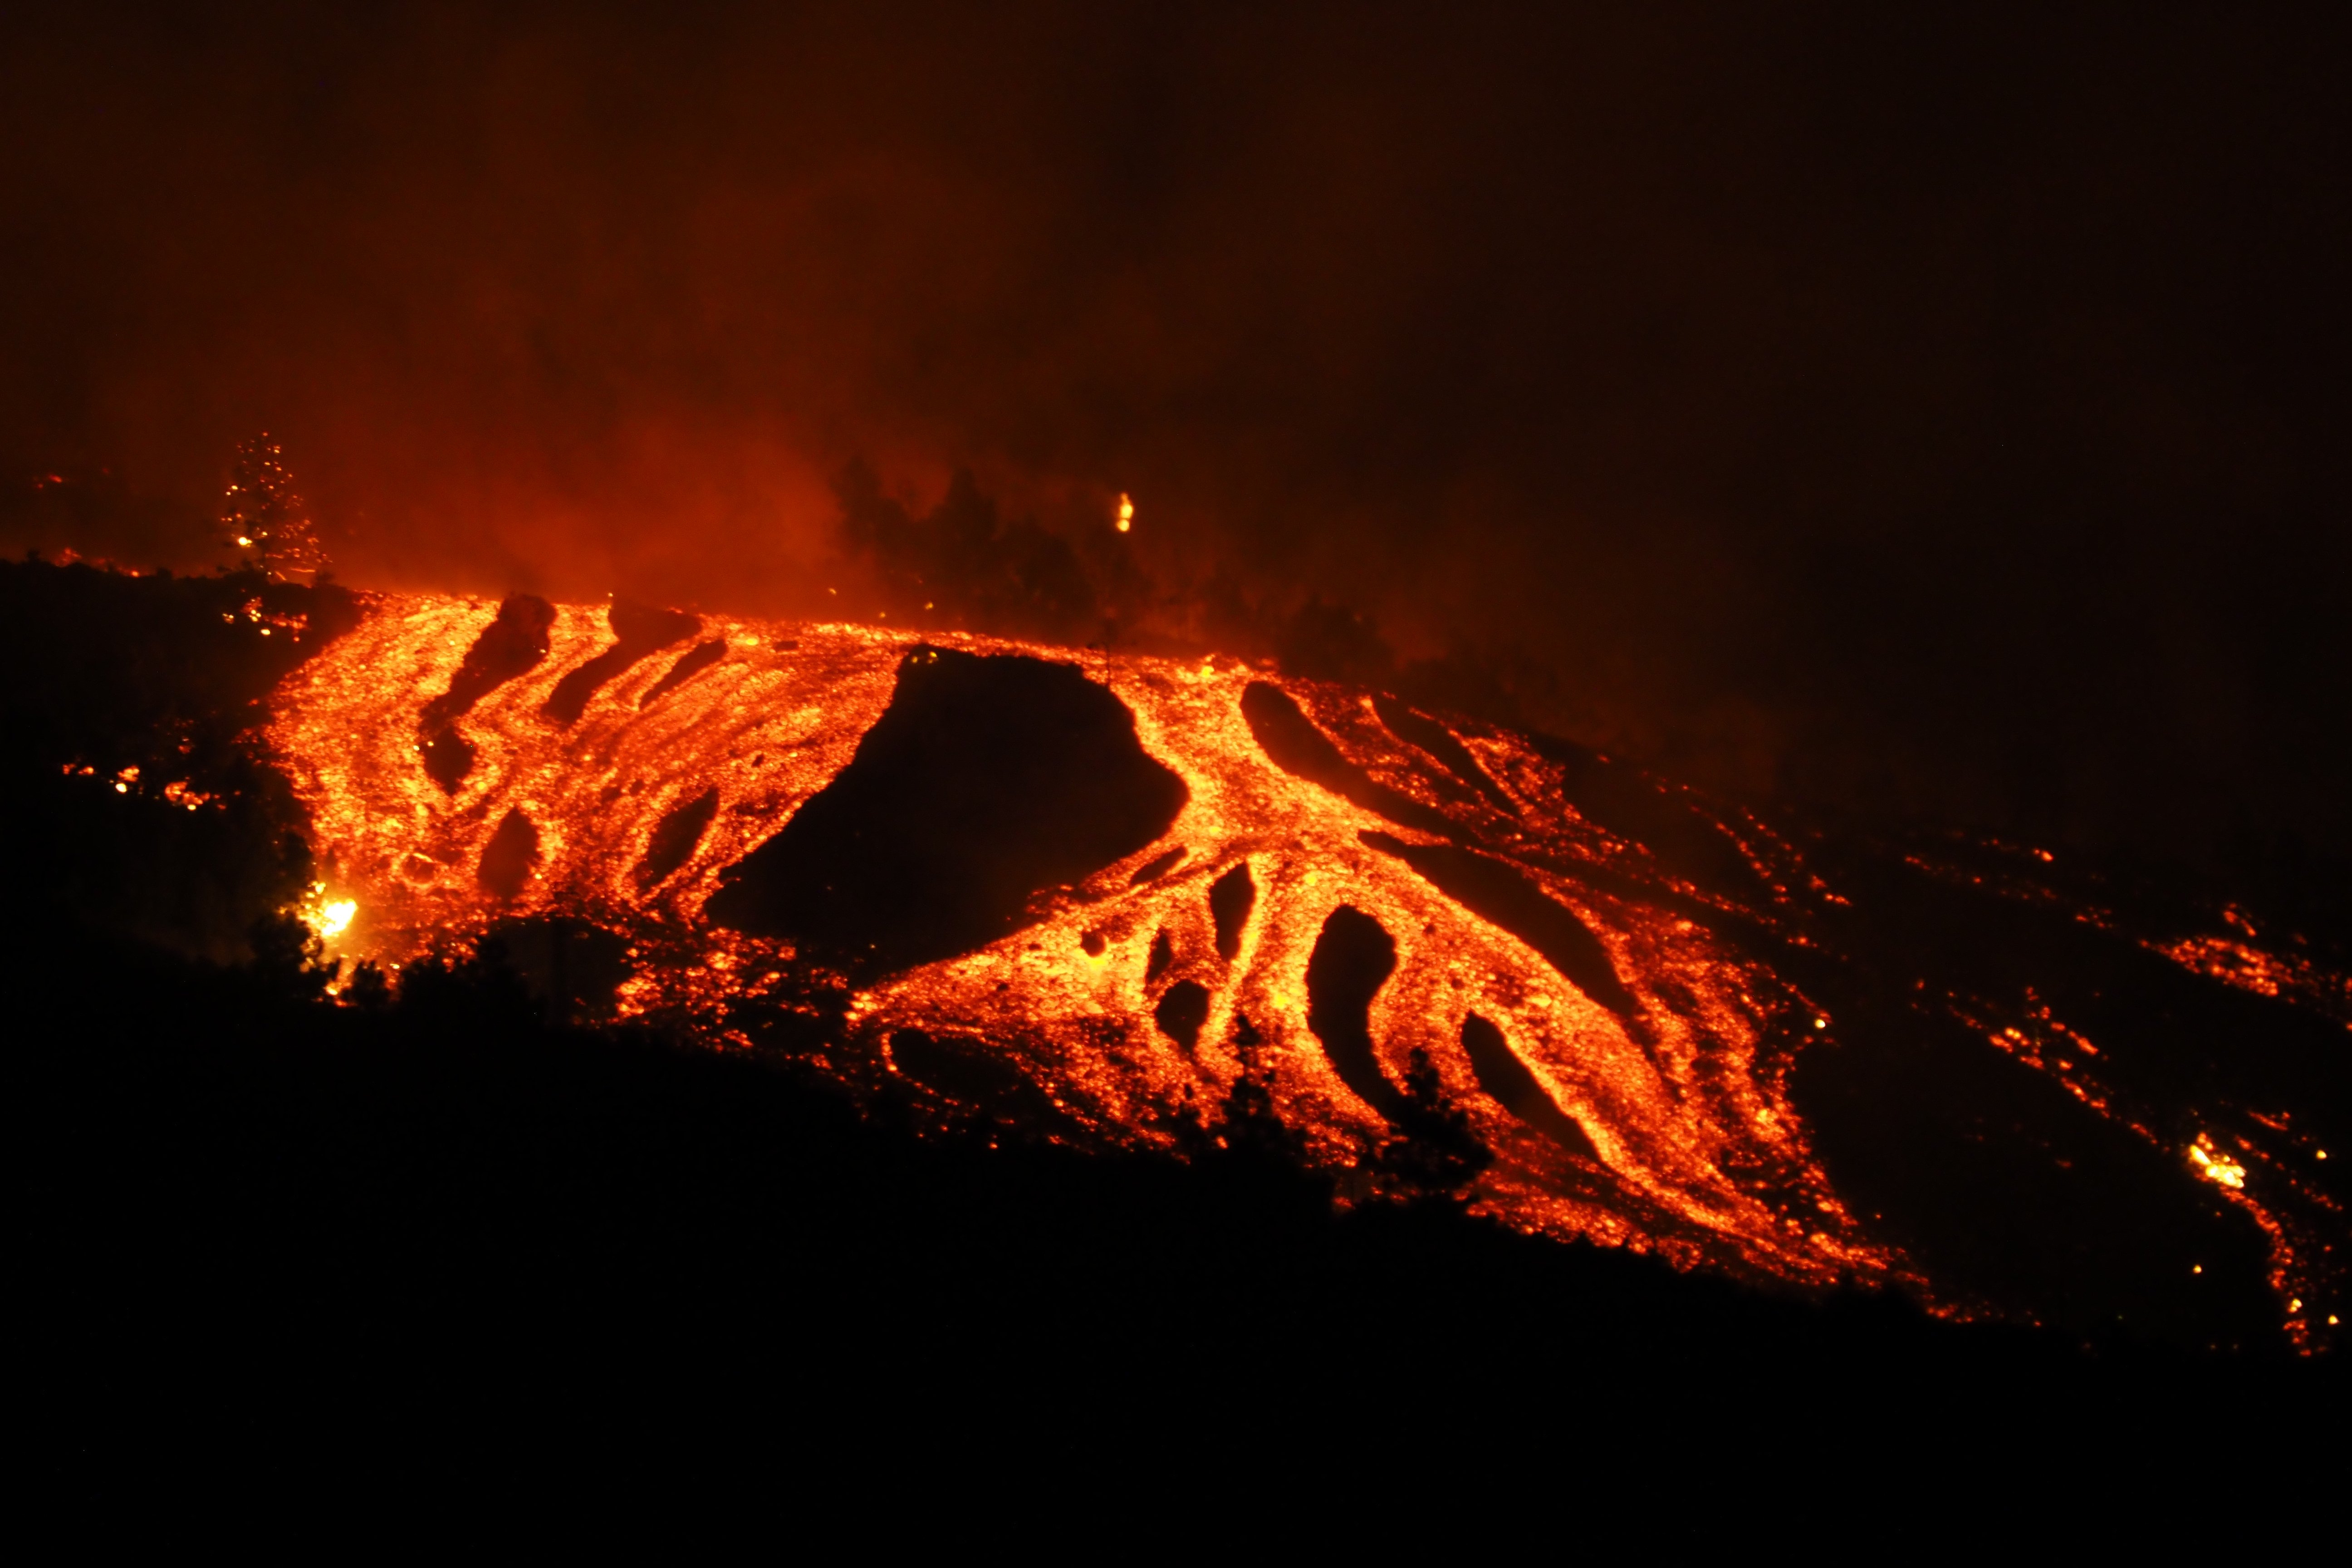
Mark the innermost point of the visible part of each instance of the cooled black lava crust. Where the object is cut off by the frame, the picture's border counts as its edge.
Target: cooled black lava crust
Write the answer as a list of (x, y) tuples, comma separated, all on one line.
[(987, 780)]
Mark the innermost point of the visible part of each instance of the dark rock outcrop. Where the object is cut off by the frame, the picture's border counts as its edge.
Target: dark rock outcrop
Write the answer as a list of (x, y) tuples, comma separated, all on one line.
[(987, 781)]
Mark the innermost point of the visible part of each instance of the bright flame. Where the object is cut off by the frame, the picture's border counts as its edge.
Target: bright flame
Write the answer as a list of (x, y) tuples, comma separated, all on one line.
[(335, 918), (1125, 512), (2216, 1166)]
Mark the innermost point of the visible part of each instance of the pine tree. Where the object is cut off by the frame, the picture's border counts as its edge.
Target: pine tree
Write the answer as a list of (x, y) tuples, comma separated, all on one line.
[(263, 521)]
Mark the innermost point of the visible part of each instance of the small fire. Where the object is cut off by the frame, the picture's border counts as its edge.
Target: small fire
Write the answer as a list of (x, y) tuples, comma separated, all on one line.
[(2216, 1166), (326, 917), (1125, 512)]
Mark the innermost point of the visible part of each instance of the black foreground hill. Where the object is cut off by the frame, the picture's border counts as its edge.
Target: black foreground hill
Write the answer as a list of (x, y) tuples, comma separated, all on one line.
[(263, 1239)]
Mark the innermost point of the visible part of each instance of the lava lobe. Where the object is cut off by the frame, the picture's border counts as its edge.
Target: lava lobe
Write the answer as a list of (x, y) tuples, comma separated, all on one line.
[(638, 632), (988, 780), (512, 646)]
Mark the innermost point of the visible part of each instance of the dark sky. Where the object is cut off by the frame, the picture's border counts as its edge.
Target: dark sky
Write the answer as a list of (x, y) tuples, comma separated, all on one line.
[(1935, 408)]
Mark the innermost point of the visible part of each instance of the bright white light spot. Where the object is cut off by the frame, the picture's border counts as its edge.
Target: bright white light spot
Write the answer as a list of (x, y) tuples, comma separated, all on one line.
[(242, 539), (335, 918)]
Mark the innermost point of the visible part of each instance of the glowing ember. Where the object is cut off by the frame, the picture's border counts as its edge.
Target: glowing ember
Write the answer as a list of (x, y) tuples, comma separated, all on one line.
[(2216, 1166), (179, 793), (2265, 973)]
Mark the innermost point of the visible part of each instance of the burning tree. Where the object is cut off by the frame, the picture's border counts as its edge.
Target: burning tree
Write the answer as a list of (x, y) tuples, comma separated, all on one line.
[(263, 521)]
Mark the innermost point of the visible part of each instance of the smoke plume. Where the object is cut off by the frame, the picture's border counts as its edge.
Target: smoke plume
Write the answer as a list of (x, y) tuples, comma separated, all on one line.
[(1924, 411)]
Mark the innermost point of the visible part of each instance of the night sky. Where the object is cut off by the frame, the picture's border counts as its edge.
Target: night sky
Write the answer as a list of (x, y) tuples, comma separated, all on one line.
[(1936, 411)]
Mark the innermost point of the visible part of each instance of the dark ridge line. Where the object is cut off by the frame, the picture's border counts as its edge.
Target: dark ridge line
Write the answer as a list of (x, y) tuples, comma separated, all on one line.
[(690, 663), (1502, 894), (1513, 1087), (1293, 744), (640, 632), (1418, 729), (511, 646)]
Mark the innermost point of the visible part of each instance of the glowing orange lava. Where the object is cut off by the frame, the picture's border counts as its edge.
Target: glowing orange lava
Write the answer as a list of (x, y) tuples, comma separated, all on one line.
[(1626, 1070), (1686, 1143)]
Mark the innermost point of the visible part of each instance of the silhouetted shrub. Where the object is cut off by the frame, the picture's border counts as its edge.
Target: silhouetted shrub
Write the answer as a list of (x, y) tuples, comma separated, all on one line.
[(1433, 1155)]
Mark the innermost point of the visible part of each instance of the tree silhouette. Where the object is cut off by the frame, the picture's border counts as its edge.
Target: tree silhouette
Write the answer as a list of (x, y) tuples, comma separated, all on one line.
[(289, 958), (1434, 1154), (263, 521)]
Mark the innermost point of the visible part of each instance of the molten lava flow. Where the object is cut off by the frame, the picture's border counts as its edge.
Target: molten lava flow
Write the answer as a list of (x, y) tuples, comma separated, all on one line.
[(1623, 1089), (1096, 892)]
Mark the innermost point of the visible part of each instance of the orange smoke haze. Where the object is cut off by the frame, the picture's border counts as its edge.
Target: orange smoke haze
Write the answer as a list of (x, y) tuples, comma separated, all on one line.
[(1910, 413)]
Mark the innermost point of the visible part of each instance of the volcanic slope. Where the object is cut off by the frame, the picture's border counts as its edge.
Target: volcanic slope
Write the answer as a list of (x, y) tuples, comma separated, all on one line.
[(1094, 893)]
